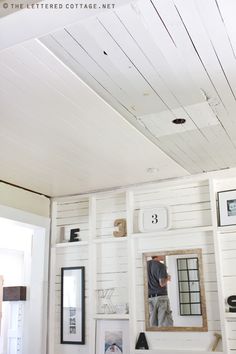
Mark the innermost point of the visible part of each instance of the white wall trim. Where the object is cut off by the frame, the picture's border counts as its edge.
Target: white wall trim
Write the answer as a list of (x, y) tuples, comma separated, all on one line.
[(24, 217)]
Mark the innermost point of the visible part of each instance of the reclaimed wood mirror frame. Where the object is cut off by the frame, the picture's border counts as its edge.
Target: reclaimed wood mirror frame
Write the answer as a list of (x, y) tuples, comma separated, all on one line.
[(72, 305), (198, 253)]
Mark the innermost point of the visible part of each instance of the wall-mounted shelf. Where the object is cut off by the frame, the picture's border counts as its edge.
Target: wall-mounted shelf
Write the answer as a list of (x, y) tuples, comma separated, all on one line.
[(230, 315), (174, 232), (111, 316), (226, 229), (110, 239), (160, 351), (72, 244)]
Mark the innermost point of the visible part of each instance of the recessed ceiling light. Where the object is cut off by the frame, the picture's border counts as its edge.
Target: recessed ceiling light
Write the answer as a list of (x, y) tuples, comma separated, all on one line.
[(179, 121), (152, 170)]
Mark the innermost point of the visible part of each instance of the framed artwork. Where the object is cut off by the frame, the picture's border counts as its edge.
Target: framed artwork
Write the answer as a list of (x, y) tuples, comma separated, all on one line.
[(1, 297), (227, 207), (72, 305), (112, 336)]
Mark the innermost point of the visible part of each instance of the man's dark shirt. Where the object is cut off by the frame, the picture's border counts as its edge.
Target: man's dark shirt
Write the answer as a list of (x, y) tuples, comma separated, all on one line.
[(156, 270)]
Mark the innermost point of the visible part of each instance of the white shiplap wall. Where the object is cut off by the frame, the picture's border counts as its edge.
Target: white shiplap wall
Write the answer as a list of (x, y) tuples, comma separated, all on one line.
[(191, 218), (111, 264), (108, 210), (111, 257), (70, 257), (70, 215), (227, 246)]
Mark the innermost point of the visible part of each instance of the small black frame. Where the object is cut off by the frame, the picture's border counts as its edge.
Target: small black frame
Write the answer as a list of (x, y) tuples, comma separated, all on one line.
[(73, 305), (226, 207)]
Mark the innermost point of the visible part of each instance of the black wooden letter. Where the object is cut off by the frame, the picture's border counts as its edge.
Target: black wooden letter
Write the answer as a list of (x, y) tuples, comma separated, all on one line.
[(74, 235)]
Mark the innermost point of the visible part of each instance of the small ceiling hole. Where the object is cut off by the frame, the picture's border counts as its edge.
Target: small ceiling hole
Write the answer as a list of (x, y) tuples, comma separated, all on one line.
[(179, 121), (104, 52)]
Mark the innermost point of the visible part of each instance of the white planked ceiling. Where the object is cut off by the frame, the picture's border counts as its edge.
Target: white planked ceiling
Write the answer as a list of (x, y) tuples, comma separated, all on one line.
[(158, 60), (58, 137), (25, 20), (152, 61)]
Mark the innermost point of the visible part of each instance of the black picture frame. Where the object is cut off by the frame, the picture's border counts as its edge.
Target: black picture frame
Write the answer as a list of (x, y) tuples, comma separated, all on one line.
[(226, 207), (72, 305)]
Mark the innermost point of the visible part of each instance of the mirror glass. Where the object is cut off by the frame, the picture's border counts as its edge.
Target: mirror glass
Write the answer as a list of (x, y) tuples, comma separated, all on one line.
[(174, 291)]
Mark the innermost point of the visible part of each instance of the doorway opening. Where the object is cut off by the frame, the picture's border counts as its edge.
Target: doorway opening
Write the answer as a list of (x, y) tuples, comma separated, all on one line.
[(24, 262)]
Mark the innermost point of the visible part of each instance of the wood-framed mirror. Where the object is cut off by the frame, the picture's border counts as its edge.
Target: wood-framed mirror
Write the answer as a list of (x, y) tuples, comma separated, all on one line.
[(174, 293)]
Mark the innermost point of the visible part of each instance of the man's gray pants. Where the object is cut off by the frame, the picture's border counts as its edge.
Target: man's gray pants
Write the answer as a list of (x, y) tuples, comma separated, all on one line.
[(160, 312)]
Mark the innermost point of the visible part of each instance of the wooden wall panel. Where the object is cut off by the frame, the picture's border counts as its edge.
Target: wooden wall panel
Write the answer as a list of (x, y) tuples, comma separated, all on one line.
[(191, 227), (189, 208)]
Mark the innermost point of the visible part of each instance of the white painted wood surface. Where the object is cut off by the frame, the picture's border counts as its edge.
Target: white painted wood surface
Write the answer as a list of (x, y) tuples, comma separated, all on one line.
[(225, 238), (154, 61), (117, 263), (77, 141), (189, 207), (50, 18)]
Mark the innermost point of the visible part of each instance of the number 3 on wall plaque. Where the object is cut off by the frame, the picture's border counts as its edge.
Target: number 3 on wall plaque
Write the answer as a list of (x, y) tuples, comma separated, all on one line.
[(153, 219)]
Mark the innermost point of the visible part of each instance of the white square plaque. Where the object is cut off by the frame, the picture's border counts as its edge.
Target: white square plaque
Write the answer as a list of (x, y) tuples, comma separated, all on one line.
[(154, 219)]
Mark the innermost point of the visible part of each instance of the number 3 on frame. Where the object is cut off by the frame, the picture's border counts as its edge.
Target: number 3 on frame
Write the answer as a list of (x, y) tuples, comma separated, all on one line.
[(154, 219)]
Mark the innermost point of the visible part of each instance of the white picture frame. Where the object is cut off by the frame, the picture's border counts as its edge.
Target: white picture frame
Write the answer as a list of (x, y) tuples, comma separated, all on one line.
[(112, 336), (227, 207)]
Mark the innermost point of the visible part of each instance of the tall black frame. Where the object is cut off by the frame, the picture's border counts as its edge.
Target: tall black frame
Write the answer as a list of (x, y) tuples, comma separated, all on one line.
[(73, 305)]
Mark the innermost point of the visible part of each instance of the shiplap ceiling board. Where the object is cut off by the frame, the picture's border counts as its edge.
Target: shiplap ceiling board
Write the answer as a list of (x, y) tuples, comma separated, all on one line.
[(25, 20), (152, 61), (58, 137), (158, 60)]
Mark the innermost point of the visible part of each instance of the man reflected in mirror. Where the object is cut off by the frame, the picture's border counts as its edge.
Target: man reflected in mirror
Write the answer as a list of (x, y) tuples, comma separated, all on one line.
[(160, 313)]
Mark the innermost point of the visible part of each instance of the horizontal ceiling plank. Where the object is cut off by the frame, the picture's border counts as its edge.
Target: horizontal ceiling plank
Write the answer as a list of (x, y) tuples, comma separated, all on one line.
[(116, 97), (49, 128), (191, 19), (161, 123), (27, 24), (191, 143), (220, 41), (79, 61), (203, 147), (215, 151), (197, 116), (186, 47), (61, 117), (202, 115), (33, 94), (183, 44), (95, 40), (174, 148), (138, 55), (47, 148), (227, 10), (222, 146), (164, 42), (61, 106), (51, 72)]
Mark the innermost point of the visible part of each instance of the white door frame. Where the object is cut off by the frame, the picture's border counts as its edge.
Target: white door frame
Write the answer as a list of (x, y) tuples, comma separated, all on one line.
[(37, 304)]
